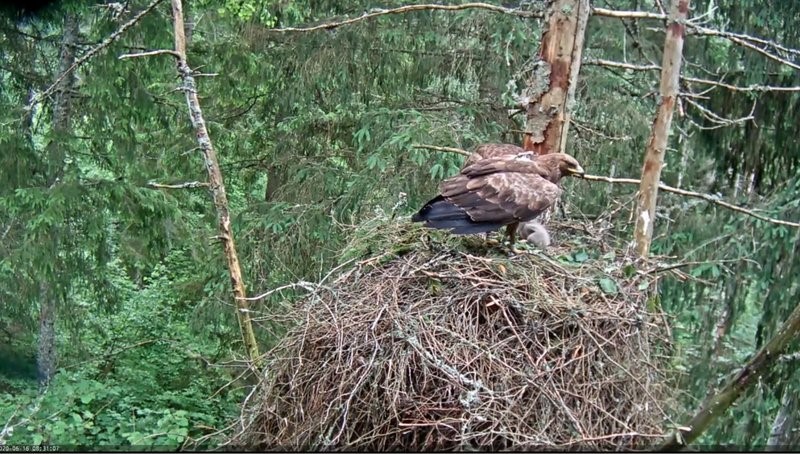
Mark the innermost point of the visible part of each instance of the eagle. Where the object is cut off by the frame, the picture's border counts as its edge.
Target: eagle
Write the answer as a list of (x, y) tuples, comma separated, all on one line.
[(500, 190)]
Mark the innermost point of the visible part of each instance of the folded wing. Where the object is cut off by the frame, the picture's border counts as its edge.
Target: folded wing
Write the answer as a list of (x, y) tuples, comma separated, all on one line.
[(489, 194)]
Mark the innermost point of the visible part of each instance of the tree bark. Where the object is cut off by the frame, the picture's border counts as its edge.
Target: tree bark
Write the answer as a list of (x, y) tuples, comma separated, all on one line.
[(551, 87), (216, 184), (657, 143), (46, 352), (782, 426), (716, 404)]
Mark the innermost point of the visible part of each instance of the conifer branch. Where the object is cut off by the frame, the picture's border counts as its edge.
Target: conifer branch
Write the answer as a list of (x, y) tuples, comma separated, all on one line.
[(95, 50), (376, 12)]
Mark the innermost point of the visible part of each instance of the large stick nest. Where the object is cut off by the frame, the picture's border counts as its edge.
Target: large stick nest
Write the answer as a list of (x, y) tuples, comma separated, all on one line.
[(431, 344)]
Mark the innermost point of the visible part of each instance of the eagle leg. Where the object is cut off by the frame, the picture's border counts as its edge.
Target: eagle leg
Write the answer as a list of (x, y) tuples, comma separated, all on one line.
[(511, 231)]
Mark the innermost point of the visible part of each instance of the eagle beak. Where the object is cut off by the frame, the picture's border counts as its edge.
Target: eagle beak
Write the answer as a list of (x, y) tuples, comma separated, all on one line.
[(577, 170)]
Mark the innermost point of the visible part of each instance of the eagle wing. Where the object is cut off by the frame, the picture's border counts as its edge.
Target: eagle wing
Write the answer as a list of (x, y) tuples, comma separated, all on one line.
[(492, 150), (501, 198)]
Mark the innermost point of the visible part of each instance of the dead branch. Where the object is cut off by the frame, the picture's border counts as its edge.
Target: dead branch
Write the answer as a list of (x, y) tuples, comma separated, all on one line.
[(105, 43), (716, 404), (720, 122), (187, 185), (150, 54), (407, 9), (707, 197), (628, 14), (442, 149), (748, 42), (633, 67)]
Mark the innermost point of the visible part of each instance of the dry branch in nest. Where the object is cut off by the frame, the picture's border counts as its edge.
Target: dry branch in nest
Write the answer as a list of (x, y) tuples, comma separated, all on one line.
[(430, 344)]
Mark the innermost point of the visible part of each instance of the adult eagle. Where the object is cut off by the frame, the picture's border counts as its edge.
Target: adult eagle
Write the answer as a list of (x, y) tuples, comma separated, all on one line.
[(498, 191)]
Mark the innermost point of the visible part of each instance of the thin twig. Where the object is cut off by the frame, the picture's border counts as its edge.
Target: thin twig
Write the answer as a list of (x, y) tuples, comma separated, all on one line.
[(443, 149), (187, 185), (105, 43), (150, 54), (407, 9)]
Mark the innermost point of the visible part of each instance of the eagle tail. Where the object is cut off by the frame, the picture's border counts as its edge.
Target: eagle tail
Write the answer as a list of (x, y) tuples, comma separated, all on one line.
[(441, 214)]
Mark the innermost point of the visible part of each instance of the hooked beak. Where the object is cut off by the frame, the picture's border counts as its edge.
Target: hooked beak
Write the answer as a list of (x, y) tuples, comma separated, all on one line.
[(577, 171)]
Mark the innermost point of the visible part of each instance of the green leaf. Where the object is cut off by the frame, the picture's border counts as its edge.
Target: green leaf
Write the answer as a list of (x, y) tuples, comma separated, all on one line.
[(608, 286), (581, 256)]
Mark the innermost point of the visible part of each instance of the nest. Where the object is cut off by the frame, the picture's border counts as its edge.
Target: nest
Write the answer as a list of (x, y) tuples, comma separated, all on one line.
[(434, 343)]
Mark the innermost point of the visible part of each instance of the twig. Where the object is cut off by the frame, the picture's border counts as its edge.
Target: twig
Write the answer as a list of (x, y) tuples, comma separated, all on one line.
[(187, 185), (707, 197), (302, 284), (105, 43), (406, 9), (716, 119), (443, 149), (150, 54)]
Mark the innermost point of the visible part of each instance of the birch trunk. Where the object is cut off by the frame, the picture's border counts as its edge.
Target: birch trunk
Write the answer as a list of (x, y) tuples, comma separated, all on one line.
[(659, 134), (216, 184)]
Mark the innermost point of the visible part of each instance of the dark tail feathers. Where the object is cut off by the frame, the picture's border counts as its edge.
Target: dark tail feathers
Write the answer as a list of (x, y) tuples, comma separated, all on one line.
[(441, 214)]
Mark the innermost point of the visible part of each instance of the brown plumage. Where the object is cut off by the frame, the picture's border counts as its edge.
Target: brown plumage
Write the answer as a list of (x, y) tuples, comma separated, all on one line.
[(496, 191), (492, 150)]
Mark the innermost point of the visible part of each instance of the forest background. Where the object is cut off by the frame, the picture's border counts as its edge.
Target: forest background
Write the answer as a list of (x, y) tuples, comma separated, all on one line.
[(117, 325)]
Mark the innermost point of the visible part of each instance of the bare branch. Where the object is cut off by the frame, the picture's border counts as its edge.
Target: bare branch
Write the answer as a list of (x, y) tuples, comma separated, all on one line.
[(746, 42), (616, 64), (628, 14), (407, 9), (150, 54), (443, 149), (187, 185), (105, 43), (716, 119), (703, 31), (707, 197), (633, 67)]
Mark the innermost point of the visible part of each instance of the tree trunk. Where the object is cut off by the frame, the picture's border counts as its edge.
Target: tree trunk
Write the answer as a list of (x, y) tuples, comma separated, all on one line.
[(551, 88), (216, 184), (781, 428), (657, 143), (716, 404), (46, 354)]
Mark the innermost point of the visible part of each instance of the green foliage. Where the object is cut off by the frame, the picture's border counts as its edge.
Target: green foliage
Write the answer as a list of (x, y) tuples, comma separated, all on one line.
[(139, 377), (316, 132)]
